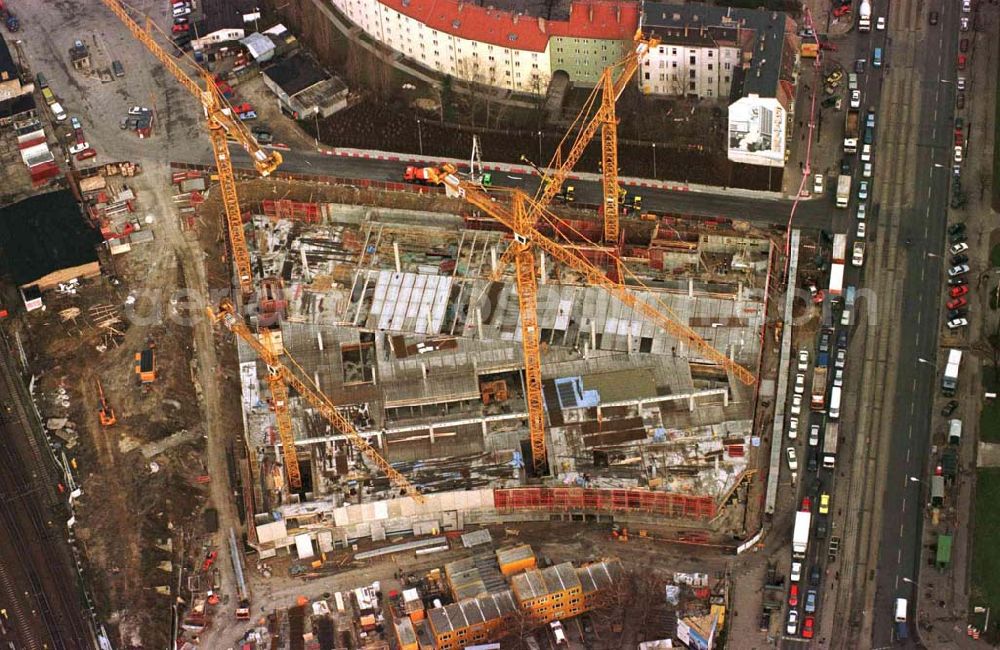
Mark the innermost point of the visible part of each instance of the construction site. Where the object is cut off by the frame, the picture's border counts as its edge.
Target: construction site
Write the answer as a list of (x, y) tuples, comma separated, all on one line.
[(399, 366)]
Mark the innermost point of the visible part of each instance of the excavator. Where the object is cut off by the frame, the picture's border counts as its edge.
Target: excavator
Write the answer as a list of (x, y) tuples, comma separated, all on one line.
[(106, 414)]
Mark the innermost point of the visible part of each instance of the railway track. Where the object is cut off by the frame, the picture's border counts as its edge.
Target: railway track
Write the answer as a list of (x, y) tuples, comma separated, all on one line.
[(43, 595)]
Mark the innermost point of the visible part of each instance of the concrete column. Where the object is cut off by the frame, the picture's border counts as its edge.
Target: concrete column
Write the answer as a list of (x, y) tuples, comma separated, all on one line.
[(316, 378), (691, 403), (430, 430), (319, 340), (541, 268), (690, 287), (593, 333), (395, 253), (493, 258), (479, 322), (423, 369), (725, 398)]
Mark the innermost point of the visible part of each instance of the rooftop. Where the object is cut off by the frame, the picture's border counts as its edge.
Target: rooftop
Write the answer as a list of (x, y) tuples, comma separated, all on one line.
[(8, 69), (522, 25), (43, 234), (295, 74), (542, 582), (471, 611)]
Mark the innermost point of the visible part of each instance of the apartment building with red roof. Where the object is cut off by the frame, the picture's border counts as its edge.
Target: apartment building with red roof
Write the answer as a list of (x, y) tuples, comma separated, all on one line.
[(500, 48)]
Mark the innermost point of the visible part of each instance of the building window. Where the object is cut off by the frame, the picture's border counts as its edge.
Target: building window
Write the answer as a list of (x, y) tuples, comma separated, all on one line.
[(692, 60), (709, 92), (662, 77), (727, 65), (673, 51), (710, 66), (691, 86), (647, 76), (726, 78), (691, 74), (675, 65)]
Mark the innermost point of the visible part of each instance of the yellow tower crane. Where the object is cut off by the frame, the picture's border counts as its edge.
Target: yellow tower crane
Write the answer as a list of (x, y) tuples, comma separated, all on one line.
[(526, 238), (223, 124), (279, 377)]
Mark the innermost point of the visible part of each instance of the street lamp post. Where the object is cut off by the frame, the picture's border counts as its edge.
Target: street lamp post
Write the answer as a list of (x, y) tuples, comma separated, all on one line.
[(654, 160), (539, 147), (420, 138)]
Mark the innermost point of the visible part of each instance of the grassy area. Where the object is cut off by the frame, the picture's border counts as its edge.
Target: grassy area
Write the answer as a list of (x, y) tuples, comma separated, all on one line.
[(985, 559), (989, 422), (996, 149)]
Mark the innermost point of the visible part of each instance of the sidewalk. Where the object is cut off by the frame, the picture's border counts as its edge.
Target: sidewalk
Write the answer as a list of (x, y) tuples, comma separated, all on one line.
[(943, 595)]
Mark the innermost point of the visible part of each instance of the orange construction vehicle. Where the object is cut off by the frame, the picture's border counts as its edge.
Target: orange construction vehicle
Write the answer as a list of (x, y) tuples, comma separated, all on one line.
[(421, 175), (146, 365), (106, 414)]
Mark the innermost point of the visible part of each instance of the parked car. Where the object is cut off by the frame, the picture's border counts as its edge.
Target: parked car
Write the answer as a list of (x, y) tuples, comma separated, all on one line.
[(78, 147), (959, 259), (803, 360), (957, 313), (963, 23), (966, 6), (118, 68), (824, 504), (793, 595), (962, 60), (862, 209), (957, 303), (957, 282), (949, 408), (960, 82), (961, 269), (957, 291), (793, 461), (870, 119), (814, 435), (838, 377), (811, 599), (841, 359), (880, 24), (814, 575), (818, 184), (866, 152), (808, 627), (963, 45), (795, 575), (960, 247), (796, 405), (792, 624), (866, 170), (957, 323), (793, 427), (860, 234), (956, 228), (89, 152), (855, 99), (75, 123), (800, 384), (41, 80)]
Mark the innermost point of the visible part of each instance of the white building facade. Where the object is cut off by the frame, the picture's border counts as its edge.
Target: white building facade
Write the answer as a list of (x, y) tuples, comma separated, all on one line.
[(690, 70), (517, 59)]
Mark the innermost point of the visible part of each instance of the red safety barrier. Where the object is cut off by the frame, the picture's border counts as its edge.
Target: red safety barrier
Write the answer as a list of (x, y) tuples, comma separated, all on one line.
[(666, 504)]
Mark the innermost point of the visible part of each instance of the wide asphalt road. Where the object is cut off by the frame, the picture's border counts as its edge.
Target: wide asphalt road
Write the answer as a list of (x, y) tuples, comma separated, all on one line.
[(732, 204), (923, 223)]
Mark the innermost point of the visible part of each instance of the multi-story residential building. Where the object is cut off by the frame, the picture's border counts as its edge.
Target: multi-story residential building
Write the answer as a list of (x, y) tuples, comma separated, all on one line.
[(496, 47), (718, 52)]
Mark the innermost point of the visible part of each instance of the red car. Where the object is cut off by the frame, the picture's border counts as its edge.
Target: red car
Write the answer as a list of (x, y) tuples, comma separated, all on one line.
[(808, 626), (181, 28), (961, 290), (89, 152), (793, 596), (961, 61), (959, 137), (841, 11), (957, 303), (806, 505)]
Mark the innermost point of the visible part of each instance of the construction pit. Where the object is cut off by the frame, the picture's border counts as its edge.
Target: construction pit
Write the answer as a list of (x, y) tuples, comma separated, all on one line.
[(383, 301)]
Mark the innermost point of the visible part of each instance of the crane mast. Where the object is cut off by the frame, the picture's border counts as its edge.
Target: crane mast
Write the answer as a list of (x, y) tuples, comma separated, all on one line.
[(223, 125)]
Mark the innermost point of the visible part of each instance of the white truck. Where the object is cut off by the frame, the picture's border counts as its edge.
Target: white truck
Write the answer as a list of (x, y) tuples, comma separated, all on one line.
[(800, 536), (830, 438), (865, 16), (839, 248), (950, 380), (836, 279), (843, 190)]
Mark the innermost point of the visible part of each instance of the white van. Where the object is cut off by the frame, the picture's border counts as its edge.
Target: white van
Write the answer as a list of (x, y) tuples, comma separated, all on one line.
[(58, 112), (900, 610), (834, 411)]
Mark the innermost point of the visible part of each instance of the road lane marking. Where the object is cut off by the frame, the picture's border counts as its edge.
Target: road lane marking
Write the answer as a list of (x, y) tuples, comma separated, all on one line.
[(904, 500), (908, 451)]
